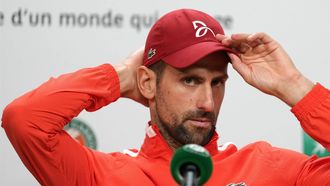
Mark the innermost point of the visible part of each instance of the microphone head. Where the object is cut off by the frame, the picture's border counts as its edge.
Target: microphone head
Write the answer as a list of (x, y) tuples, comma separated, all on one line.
[(191, 154)]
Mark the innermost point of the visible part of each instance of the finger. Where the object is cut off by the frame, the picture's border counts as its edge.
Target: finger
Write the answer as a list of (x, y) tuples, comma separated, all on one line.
[(244, 47), (231, 43), (260, 48), (139, 52), (220, 37), (255, 43), (251, 39), (237, 41), (241, 37), (226, 40), (233, 57), (241, 68), (141, 48), (260, 37)]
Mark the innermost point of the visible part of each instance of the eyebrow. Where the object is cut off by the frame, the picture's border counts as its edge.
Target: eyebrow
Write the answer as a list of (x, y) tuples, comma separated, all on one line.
[(223, 76)]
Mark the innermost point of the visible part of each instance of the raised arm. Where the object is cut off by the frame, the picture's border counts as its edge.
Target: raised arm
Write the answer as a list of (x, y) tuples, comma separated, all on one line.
[(34, 122), (264, 64)]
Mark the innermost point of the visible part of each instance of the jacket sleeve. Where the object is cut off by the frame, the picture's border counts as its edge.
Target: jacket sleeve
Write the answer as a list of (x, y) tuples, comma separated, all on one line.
[(34, 124), (313, 112)]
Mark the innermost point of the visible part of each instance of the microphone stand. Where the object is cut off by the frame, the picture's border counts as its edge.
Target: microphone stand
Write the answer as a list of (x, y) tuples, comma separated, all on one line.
[(190, 174)]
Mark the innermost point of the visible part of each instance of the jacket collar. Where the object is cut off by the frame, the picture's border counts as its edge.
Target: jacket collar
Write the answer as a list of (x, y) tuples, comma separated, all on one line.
[(155, 146)]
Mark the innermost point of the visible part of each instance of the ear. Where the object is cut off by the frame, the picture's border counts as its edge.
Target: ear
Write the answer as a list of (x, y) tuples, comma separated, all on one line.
[(146, 81)]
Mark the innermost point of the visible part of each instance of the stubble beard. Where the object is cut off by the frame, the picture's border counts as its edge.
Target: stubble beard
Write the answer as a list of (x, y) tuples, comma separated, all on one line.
[(178, 130)]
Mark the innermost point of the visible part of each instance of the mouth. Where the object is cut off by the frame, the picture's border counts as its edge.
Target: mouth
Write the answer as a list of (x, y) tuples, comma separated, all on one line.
[(201, 122)]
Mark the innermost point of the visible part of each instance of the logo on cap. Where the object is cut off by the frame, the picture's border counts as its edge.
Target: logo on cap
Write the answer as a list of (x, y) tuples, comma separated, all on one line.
[(202, 29), (151, 53)]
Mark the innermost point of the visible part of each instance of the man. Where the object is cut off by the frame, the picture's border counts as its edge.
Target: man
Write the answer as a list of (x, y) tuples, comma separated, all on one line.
[(181, 78)]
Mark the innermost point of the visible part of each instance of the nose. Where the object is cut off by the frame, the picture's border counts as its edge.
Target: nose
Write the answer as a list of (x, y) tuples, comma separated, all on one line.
[(205, 99)]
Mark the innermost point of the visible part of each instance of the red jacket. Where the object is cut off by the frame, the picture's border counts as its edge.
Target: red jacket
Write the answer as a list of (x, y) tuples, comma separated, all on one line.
[(34, 124)]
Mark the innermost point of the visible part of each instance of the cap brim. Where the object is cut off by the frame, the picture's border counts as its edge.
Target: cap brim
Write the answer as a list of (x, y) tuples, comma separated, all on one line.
[(190, 55)]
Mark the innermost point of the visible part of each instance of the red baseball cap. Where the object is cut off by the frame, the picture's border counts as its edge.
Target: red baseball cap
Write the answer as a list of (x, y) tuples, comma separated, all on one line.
[(182, 37)]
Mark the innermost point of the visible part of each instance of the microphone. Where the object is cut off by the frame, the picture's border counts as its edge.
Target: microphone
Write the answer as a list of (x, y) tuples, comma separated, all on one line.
[(191, 165)]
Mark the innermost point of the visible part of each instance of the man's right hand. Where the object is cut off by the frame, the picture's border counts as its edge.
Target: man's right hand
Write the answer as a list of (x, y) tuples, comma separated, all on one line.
[(126, 71)]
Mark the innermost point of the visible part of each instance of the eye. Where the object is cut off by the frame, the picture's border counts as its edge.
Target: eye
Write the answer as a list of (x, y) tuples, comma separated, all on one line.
[(191, 81), (188, 81), (218, 82)]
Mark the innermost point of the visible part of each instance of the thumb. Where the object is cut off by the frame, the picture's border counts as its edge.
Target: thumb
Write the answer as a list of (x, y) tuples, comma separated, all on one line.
[(240, 67), (233, 57)]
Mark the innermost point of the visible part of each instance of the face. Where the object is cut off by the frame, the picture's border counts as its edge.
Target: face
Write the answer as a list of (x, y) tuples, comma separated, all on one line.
[(187, 101)]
